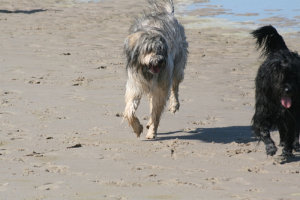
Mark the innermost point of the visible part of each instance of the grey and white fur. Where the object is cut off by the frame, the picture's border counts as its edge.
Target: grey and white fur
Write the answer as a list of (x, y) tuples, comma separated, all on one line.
[(156, 52)]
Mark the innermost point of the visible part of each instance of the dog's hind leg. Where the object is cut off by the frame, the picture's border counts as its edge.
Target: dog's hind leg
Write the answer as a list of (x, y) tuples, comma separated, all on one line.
[(132, 102), (158, 103), (174, 97), (180, 61), (150, 120), (174, 100)]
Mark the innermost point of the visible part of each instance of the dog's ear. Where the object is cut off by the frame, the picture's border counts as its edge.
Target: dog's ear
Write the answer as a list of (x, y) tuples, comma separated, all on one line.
[(131, 40), (131, 47)]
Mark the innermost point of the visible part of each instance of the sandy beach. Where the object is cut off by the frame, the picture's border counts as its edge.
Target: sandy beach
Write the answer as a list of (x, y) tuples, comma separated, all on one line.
[(62, 92)]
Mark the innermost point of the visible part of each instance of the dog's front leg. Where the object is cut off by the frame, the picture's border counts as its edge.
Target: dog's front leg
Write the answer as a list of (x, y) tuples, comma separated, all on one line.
[(296, 145), (287, 136), (132, 103), (150, 120), (269, 143), (287, 150), (158, 102)]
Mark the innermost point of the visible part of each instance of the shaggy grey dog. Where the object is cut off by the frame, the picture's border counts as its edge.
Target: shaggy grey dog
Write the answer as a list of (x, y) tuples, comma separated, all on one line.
[(156, 52)]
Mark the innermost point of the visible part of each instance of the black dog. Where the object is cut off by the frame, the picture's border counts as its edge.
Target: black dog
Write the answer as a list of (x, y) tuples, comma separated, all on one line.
[(277, 92)]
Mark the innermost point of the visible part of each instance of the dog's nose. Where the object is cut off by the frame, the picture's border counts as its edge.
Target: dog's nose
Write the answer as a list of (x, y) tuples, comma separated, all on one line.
[(288, 90), (160, 60)]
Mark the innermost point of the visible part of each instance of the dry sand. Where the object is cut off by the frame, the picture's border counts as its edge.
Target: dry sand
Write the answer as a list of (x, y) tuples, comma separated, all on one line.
[(62, 97)]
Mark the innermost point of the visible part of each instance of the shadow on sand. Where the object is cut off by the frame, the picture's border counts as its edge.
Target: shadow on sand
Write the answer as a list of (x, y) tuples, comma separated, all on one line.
[(225, 135), (239, 134), (23, 11)]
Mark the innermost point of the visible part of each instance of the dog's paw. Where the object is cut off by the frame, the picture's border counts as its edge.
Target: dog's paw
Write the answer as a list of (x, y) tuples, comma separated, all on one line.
[(174, 107), (138, 130), (151, 135), (287, 154), (271, 149), (296, 146)]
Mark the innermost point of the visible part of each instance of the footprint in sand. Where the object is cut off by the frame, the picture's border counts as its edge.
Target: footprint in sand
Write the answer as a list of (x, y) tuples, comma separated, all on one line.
[(209, 120), (276, 179), (229, 99), (117, 183), (27, 172), (239, 151), (80, 81), (291, 171), (248, 104), (186, 100), (255, 169), (244, 94), (49, 186), (60, 169), (254, 190), (3, 186), (116, 197), (78, 98), (34, 82), (189, 130)]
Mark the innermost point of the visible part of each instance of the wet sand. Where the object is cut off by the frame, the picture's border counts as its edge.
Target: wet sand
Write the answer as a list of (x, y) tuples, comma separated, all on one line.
[(62, 97)]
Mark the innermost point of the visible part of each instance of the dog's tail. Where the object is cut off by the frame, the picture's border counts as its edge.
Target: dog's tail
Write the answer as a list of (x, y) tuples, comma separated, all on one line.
[(166, 5), (269, 40)]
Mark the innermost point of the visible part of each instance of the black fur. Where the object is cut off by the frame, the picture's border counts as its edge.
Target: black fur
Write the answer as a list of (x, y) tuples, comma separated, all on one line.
[(277, 92)]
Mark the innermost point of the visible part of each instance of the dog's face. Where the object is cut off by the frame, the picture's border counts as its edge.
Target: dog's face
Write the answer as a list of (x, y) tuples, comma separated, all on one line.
[(286, 91), (146, 51), (288, 85), (154, 54), (278, 80)]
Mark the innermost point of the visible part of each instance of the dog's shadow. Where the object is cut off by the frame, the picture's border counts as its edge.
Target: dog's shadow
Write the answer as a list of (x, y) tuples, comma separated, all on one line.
[(23, 11), (225, 135), (284, 160)]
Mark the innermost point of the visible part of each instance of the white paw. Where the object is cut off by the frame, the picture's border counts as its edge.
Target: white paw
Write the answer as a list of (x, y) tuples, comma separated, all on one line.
[(151, 135), (174, 107)]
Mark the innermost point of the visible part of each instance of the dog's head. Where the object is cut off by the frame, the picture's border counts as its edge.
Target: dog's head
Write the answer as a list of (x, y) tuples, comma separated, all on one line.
[(287, 79), (146, 51)]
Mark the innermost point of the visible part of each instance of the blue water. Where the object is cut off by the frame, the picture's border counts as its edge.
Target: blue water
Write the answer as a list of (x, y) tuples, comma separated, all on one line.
[(285, 13), (287, 10)]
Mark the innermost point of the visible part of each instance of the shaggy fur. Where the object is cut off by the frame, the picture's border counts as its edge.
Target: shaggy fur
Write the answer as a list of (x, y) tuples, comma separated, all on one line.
[(277, 92), (156, 52)]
